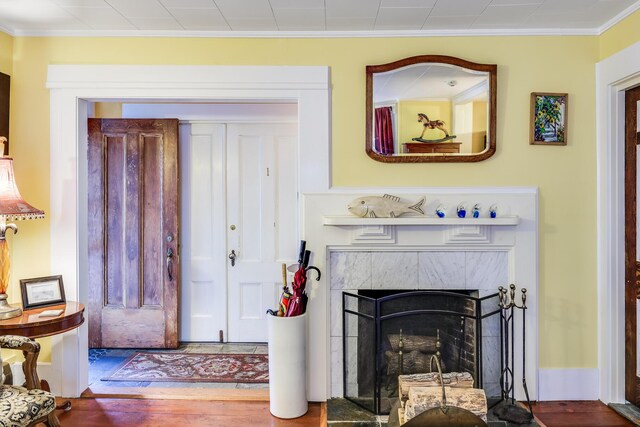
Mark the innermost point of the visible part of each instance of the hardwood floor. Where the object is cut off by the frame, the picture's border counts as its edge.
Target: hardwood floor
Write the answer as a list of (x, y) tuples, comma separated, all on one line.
[(129, 412), (108, 412), (574, 414)]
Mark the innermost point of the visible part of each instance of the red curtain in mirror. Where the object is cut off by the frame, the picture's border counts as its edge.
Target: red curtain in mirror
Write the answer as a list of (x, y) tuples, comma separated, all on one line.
[(383, 143)]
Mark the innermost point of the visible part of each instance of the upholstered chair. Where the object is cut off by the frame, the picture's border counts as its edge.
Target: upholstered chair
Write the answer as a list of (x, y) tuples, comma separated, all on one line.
[(29, 405)]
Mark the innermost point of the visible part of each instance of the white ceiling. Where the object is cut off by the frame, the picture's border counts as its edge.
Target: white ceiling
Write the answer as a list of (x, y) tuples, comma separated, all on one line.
[(428, 81), (310, 17)]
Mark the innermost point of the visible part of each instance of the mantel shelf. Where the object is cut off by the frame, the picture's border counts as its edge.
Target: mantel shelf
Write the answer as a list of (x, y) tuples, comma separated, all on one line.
[(415, 220)]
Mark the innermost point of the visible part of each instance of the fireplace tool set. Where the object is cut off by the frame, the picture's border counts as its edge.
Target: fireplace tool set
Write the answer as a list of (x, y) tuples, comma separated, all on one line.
[(294, 303), (510, 411)]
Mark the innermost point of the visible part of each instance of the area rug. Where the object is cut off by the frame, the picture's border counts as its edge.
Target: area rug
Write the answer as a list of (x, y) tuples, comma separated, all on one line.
[(192, 367)]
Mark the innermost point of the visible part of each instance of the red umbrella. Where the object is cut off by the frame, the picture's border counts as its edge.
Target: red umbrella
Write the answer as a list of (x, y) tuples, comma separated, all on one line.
[(298, 301), (299, 298)]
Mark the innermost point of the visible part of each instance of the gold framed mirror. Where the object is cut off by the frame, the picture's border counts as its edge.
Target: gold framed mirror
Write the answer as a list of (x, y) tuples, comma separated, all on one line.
[(431, 108)]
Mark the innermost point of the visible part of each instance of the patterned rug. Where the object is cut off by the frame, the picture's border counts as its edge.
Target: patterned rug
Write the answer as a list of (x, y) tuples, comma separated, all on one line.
[(191, 367)]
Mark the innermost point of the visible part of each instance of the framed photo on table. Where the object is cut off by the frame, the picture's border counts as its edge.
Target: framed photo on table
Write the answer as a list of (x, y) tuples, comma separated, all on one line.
[(42, 291)]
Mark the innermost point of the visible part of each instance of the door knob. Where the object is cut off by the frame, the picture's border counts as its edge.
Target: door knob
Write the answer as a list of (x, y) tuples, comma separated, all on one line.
[(232, 257)]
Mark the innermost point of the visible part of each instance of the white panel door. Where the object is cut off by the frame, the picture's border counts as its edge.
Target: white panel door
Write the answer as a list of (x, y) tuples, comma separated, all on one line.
[(262, 222), (203, 248)]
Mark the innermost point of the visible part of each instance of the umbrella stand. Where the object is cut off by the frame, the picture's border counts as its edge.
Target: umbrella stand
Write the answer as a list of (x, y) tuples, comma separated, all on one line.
[(287, 366)]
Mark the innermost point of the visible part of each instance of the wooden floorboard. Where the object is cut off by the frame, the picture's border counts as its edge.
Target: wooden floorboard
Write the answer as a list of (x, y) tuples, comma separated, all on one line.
[(578, 413), (177, 393), (107, 412), (142, 412)]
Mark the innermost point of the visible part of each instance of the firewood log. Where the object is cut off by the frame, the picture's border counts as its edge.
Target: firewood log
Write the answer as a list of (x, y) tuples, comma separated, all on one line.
[(432, 379), (424, 398), (423, 343), (412, 362)]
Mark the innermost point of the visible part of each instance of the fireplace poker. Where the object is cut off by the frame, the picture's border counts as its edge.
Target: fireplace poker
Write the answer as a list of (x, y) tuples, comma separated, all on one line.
[(524, 352)]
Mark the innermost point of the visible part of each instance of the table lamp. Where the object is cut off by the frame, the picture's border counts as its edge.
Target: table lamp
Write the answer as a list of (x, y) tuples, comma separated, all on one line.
[(12, 207)]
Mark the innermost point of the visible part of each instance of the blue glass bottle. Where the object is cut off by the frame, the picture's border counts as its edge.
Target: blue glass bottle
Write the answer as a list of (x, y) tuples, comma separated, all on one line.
[(440, 211), (476, 211), (462, 211)]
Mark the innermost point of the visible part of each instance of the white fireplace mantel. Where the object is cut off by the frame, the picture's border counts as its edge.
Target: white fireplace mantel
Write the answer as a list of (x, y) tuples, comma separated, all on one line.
[(417, 220), (329, 229)]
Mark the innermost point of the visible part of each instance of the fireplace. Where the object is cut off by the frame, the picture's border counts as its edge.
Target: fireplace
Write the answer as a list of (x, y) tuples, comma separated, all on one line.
[(423, 253), (388, 333)]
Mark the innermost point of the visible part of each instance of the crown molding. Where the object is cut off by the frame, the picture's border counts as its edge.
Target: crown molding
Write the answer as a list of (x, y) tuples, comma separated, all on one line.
[(619, 17), (314, 34), (7, 31)]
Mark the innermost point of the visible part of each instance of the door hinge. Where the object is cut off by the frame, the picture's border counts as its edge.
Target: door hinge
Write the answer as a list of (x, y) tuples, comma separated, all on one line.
[(267, 171)]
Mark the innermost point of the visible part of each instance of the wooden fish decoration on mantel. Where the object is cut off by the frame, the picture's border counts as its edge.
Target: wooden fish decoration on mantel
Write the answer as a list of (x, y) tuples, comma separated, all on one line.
[(386, 206)]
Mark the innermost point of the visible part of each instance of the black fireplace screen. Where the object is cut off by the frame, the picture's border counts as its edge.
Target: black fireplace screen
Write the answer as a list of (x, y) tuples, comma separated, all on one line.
[(388, 333)]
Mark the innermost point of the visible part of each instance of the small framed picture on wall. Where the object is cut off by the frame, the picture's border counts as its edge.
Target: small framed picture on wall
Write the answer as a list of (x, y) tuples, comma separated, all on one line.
[(548, 118)]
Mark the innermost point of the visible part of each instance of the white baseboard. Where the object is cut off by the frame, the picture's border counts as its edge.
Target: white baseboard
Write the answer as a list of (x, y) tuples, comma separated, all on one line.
[(568, 384), (44, 371)]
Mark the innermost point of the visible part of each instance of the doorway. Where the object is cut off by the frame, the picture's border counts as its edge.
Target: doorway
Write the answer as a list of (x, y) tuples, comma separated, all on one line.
[(73, 86), (238, 192)]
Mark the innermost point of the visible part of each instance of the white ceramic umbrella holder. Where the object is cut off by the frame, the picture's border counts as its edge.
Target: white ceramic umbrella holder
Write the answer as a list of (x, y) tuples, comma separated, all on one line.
[(288, 366)]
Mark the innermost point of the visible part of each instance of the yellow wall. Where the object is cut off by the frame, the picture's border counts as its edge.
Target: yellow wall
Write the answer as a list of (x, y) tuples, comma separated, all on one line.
[(6, 67), (408, 119), (29, 146), (565, 175), (6, 53), (107, 110), (622, 35)]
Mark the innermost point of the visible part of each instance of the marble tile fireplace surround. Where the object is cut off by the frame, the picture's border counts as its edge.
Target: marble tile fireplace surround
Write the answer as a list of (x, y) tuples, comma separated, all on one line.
[(418, 253)]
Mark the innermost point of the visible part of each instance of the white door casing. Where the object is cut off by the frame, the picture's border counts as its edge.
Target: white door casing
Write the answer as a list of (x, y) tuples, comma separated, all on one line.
[(72, 85), (262, 208)]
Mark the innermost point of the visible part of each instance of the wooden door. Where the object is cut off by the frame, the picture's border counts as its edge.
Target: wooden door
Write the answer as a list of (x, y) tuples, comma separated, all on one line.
[(133, 209), (262, 222), (632, 289)]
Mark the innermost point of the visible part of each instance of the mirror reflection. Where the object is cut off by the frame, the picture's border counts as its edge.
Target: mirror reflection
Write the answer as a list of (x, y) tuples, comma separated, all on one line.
[(431, 109)]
